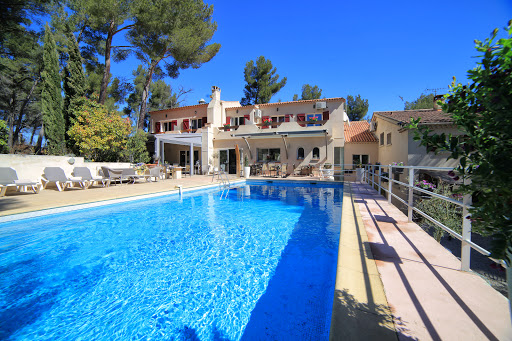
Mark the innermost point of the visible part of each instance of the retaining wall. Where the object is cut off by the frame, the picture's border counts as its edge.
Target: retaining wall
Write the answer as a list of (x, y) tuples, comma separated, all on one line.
[(31, 167)]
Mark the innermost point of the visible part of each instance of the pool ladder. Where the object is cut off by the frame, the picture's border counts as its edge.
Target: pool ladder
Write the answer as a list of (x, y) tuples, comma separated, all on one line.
[(224, 179)]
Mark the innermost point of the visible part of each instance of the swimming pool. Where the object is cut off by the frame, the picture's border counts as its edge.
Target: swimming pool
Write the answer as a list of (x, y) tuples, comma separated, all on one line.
[(254, 262)]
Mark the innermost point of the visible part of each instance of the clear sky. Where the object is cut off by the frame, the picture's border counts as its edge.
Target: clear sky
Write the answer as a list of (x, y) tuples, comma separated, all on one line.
[(379, 49)]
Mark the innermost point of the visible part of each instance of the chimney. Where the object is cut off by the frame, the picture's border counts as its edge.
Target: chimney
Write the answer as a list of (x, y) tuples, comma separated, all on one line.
[(437, 98), (201, 101), (215, 93)]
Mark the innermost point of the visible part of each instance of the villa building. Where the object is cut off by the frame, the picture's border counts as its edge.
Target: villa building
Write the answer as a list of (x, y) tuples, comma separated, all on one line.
[(397, 144), (295, 134)]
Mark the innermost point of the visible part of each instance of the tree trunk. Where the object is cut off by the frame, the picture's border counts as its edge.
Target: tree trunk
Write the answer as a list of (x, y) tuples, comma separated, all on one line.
[(22, 109), (145, 95), (34, 128), (39, 144), (106, 73)]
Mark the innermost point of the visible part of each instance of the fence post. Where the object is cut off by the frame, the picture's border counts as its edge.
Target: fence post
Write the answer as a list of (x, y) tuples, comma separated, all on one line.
[(390, 183), (380, 185), (465, 254), (410, 201)]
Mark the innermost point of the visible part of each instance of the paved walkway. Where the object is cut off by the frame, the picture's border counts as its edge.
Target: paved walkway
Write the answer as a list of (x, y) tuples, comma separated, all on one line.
[(429, 297)]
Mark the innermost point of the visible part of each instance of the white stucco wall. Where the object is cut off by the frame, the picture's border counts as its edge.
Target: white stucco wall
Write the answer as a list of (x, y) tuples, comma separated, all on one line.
[(31, 167)]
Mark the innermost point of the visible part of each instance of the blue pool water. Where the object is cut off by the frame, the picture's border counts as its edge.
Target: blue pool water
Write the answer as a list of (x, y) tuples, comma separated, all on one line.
[(256, 262)]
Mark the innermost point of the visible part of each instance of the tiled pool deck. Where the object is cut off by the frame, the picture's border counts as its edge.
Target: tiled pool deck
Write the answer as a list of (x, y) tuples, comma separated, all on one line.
[(394, 281)]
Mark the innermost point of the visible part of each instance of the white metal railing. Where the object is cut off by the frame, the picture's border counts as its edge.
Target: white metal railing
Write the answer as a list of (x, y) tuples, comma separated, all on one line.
[(374, 175)]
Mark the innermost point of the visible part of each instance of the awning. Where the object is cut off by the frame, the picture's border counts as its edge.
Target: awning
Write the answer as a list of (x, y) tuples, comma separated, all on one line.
[(181, 139), (321, 132)]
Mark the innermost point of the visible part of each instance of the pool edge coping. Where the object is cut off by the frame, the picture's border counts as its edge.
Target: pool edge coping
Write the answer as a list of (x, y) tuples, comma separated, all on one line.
[(360, 308), (98, 203)]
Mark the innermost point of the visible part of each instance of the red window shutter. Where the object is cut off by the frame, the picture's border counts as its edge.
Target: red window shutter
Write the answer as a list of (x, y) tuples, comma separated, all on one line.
[(228, 122), (204, 120), (185, 124), (287, 118), (157, 127), (325, 116), (247, 118), (174, 124), (301, 117)]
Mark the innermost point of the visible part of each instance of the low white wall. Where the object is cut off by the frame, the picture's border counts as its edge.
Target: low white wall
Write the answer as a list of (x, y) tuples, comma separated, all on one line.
[(31, 167)]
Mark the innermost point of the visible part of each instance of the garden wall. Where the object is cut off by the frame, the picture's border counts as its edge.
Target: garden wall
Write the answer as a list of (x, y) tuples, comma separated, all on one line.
[(31, 167)]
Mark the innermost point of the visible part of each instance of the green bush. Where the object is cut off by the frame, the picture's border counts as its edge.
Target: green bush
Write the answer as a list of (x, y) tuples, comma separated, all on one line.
[(441, 210)]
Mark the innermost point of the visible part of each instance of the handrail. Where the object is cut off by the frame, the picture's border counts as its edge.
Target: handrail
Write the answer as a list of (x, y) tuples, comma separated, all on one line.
[(373, 171)]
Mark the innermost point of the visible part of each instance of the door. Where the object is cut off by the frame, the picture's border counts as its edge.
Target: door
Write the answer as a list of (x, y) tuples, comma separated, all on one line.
[(232, 161), (223, 159)]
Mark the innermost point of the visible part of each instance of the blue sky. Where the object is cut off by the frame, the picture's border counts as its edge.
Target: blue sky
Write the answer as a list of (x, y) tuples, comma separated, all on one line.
[(378, 49)]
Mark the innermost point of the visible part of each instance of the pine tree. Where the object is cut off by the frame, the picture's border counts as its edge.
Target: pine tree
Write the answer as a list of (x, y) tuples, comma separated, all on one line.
[(309, 92), (262, 82), (51, 96), (356, 107), (74, 80)]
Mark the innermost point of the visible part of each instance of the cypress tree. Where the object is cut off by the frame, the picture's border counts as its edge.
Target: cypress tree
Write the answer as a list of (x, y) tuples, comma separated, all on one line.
[(51, 96), (74, 82)]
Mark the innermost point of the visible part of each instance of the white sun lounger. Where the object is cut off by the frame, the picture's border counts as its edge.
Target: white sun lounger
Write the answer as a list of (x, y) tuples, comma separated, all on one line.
[(9, 178), (57, 175), (85, 174)]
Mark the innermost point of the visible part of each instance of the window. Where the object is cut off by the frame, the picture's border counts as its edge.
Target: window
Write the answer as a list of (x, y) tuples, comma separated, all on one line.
[(312, 117), (388, 138), (196, 124), (381, 140), (166, 126), (300, 153), (269, 154), (238, 121), (316, 153), (360, 159), (277, 119)]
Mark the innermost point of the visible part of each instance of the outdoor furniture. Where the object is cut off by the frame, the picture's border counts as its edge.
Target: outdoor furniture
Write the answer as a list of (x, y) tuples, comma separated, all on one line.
[(57, 176), (154, 173), (215, 172), (112, 175), (9, 178), (265, 170), (130, 174), (85, 174)]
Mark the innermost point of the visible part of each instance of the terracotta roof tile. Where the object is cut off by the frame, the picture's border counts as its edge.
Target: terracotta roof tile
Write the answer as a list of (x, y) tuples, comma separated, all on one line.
[(291, 102), (427, 116), (358, 131), (180, 108)]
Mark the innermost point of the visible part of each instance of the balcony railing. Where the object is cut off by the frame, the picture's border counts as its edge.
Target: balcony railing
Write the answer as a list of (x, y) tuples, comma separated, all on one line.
[(374, 175), (274, 125)]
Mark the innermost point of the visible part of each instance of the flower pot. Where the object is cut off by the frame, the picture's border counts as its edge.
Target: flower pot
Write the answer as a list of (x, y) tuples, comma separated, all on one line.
[(247, 172), (398, 170)]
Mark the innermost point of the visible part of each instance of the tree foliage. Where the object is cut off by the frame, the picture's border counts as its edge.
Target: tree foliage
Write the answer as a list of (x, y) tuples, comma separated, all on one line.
[(136, 150), (356, 108), (174, 32), (74, 80), (262, 82), (100, 135), (482, 110), (309, 92), (422, 102), (4, 135), (51, 97)]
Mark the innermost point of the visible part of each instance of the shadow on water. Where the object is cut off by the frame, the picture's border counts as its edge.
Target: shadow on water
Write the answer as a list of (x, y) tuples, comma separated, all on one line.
[(297, 303)]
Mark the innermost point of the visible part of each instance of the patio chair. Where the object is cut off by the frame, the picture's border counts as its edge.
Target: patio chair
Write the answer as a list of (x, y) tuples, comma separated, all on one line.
[(264, 169), (112, 175), (155, 172), (57, 175), (9, 178), (85, 174)]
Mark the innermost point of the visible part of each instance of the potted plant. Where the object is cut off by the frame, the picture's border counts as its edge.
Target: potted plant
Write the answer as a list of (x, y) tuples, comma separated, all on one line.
[(226, 127), (397, 170), (247, 169), (141, 168), (424, 184), (267, 121), (328, 172)]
